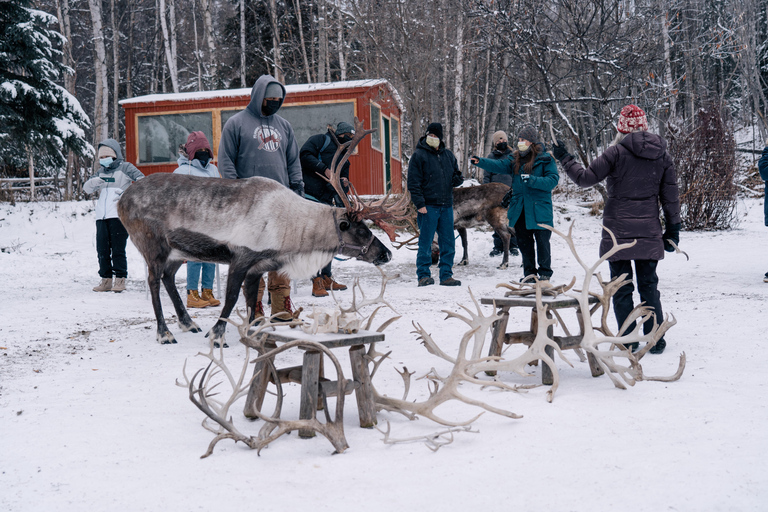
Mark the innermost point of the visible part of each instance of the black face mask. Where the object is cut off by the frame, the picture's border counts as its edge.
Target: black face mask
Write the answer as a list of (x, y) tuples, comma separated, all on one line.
[(271, 107), (344, 138), (204, 157), (501, 146)]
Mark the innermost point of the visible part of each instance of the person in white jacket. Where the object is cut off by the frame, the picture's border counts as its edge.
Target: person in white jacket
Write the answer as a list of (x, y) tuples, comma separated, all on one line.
[(112, 178), (195, 160)]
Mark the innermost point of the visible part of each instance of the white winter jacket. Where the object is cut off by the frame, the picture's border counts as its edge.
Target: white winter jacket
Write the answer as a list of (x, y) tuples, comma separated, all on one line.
[(195, 168), (111, 182)]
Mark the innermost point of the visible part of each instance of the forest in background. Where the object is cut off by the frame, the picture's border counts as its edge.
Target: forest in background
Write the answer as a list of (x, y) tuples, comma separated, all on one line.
[(477, 66)]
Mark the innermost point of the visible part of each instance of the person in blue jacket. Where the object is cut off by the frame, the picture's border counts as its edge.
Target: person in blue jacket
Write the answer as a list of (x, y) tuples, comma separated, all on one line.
[(432, 174), (762, 166), (195, 160), (534, 176), (110, 181)]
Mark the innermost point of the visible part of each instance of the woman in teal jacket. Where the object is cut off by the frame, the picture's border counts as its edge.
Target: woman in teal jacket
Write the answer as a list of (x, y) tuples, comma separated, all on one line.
[(534, 176)]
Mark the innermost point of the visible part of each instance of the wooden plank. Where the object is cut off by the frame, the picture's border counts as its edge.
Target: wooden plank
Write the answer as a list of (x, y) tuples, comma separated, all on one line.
[(552, 302), (366, 407), (498, 336), (593, 366), (258, 389), (329, 387), (284, 334), (310, 375)]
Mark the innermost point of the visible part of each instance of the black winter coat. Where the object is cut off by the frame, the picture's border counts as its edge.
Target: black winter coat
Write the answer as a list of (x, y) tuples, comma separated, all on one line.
[(314, 163), (491, 177), (639, 174), (432, 174)]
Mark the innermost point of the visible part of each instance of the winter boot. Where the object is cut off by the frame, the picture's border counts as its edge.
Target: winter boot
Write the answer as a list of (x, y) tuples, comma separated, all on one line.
[(282, 306), (104, 286), (318, 287), (659, 347), (208, 295), (330, 284), (119, 285), (194, 300)]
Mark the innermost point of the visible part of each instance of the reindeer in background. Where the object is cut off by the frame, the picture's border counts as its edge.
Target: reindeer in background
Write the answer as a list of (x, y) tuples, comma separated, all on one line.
[(254, 225)]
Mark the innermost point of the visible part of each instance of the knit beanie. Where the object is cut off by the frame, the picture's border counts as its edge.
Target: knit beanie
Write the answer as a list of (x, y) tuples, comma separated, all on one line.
[(498, 136), (435, 129), (632, 119), (343, 128), (197, 141), (273, 90), (529, 133)]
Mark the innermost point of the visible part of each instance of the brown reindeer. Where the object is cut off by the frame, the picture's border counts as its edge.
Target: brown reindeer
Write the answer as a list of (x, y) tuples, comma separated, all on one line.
[(477, 206), (255, 225)]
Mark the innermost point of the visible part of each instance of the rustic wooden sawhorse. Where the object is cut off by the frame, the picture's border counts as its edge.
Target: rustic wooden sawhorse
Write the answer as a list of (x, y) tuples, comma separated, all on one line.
[(500, 335), (310, 374)]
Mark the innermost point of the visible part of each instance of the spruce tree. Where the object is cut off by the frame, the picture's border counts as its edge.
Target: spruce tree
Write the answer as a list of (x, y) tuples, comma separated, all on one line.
[(39, 120)]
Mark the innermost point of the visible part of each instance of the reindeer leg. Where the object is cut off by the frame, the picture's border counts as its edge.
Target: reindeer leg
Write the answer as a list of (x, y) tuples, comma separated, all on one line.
[(251, 293), (505, 237), (237, 273), (154, 271), (463, 235), (169, 281)]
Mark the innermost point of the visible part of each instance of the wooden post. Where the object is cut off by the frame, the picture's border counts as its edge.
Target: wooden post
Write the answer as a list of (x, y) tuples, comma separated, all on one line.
[(498, 335), (363, 393), (310, 377), (594, 368), (258, 388), (546, 372)]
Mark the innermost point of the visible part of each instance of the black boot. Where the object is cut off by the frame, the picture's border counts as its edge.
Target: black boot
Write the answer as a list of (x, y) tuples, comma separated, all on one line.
[(659, 347)]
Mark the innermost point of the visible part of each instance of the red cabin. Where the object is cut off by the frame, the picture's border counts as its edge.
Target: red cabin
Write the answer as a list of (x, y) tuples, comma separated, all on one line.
[(156, 124)]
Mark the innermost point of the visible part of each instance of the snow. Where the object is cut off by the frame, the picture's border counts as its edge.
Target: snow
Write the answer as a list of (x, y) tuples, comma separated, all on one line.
[(91, 418), (246, 92)]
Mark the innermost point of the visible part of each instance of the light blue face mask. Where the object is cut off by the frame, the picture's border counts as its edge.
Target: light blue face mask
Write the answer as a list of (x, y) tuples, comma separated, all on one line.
[(106, 162)]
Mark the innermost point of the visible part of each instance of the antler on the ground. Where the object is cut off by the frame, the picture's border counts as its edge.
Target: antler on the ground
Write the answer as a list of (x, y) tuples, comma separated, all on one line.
[(433, 441)]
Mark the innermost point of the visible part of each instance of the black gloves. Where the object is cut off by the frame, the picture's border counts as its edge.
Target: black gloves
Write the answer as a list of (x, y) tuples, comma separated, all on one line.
[(474, 159), (298, 187), (507, 199), (671, 233), (457, 179), (559, 151)]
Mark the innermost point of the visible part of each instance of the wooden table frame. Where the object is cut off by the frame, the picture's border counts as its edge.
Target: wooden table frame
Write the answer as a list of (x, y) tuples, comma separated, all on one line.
[(500, 336), (310, 375)]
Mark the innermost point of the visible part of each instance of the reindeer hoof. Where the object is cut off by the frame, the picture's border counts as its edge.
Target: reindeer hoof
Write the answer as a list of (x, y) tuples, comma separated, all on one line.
[(217, 345), (464, 262), (191, 327), (503, 266), (166, 338)]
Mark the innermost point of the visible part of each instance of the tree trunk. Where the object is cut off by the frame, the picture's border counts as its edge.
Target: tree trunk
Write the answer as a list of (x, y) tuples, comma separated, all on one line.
[(458, 98), (129, 62), (208, 21), (242, 43), (307, 69), (31, 168), (276, 54), (62, 12), (101, 105), (340, 44), (322, 41), (197, 50), (170, 57), (115, 70)]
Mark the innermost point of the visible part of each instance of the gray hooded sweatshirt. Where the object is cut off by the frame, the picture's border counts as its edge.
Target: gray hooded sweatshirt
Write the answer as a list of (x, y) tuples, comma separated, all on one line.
[(253, 144), (111, 182)]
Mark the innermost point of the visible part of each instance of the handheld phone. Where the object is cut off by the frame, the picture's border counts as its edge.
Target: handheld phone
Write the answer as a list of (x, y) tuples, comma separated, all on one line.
[(525, 176), (109, 180)]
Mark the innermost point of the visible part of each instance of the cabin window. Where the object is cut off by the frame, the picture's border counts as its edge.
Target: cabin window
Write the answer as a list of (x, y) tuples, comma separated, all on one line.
[(395, 136), (161, 135), (376, 125), (313, 118), (226, 114)]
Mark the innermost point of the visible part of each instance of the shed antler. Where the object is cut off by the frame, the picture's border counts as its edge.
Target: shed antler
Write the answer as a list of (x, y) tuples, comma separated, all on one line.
[(379, 211)]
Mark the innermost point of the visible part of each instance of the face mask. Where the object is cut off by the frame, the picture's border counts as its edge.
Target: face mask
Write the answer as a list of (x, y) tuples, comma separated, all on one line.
[(433, 141), (523, 146), (344, 138), (106, 162), (203, 156), (501, 146), (271, 107)]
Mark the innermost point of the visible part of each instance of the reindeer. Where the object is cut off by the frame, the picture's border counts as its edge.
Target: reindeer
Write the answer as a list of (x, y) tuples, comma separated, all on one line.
[(476, 206), (255, 225)]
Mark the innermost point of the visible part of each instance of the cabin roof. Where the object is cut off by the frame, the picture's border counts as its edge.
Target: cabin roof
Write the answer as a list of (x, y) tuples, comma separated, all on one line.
[(290, 89)]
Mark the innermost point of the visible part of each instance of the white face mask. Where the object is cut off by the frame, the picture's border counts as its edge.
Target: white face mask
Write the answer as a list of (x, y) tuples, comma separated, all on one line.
[(433, 141), (523, 146)]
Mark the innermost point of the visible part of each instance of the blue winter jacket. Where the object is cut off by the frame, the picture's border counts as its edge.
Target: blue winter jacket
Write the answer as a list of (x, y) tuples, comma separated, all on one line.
[(432, 174), (195, 168), (762, 166), (111, 182), (535, 196)]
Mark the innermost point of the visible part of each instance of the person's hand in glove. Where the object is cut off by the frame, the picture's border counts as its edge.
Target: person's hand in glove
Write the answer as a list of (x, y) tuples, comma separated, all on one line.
[(474, 159), (97, 183), (298, 187), (506, 199), (671, 233), (559, 151)]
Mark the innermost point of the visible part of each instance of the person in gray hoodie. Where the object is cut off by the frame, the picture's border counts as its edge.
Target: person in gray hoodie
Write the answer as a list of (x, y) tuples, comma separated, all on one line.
[(258, 142), (112, 178)]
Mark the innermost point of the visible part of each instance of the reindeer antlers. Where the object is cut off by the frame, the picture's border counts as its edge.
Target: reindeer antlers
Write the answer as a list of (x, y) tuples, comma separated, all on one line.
[(377, 211)]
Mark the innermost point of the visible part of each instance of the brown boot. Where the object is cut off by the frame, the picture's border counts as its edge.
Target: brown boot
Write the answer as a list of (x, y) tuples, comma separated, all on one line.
[(105, 285), (282, 306), (194, 300), (318, 287), (119, 285), (330, 284), (208, 295), (259, 310)]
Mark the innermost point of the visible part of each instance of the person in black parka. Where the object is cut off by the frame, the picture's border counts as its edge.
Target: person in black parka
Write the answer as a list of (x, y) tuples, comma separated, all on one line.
[(432, 174), (316, 157), (639, 175), (500, 150)]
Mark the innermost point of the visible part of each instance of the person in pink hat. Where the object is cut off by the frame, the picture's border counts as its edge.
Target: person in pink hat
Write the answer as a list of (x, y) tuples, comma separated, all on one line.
[(640, 175)]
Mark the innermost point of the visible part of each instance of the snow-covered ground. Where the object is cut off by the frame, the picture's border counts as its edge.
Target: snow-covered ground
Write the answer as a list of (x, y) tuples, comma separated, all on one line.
[(91, 418)]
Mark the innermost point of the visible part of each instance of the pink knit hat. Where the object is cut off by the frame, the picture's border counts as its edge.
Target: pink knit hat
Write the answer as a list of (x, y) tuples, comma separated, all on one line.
[(632, 119), (196, 142)]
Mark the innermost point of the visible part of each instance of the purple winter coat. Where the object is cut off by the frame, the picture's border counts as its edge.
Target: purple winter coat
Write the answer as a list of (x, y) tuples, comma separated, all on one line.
[(639, 174)]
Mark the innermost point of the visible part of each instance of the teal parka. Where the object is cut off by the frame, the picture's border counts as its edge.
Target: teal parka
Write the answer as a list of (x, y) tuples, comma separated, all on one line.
[(535, 195)]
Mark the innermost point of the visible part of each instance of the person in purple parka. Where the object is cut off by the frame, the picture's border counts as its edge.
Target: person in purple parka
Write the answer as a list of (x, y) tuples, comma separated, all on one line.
[(640, 175)]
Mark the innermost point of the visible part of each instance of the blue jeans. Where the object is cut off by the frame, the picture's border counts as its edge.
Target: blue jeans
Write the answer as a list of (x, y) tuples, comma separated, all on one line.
[(438, 219), (193, 274)]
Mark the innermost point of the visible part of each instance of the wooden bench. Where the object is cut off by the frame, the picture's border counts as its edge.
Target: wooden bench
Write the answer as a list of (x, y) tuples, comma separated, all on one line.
[(500, 335), (310, 374)]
